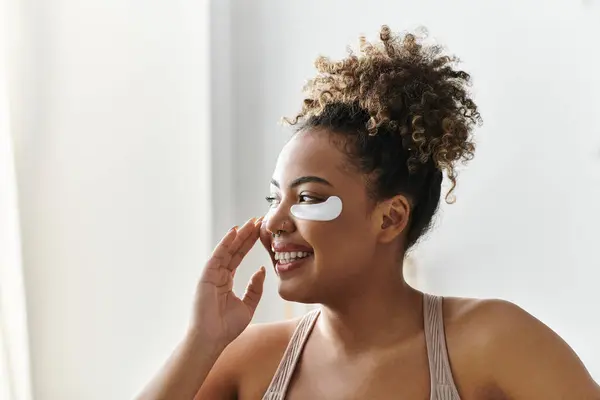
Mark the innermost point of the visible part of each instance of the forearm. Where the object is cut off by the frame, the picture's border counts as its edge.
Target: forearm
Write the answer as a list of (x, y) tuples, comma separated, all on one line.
[(184, 372)]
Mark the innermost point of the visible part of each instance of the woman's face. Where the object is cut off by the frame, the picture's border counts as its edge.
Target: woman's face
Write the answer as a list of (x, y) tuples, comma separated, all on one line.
[(337, 253)]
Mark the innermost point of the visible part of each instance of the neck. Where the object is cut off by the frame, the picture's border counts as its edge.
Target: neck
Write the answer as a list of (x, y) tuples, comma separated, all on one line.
[(381, 312)]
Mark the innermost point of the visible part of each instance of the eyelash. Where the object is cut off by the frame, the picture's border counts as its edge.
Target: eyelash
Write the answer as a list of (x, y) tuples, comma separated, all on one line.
[(272, 199)]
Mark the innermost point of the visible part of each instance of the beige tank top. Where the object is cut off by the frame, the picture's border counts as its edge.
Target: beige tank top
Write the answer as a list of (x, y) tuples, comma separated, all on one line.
[(442, 383)]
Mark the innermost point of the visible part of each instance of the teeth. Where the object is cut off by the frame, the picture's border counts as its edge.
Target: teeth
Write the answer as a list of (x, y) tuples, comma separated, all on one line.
[(291, 256)]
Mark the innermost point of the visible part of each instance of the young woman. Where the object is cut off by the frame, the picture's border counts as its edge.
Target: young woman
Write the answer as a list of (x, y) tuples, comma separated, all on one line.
[(352, 191)]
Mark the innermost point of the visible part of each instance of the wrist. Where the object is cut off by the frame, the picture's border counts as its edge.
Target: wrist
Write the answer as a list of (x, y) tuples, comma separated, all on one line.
[(208, 347)]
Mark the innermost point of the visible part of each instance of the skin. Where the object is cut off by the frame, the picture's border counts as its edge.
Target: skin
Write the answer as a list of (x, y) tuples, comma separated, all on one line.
[(368, 341)]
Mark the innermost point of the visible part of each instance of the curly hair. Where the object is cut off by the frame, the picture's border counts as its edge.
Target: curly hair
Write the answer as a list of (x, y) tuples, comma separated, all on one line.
[(406, 114)]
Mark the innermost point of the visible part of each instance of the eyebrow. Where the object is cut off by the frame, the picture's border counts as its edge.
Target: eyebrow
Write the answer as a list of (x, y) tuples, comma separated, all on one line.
[(302, 180)]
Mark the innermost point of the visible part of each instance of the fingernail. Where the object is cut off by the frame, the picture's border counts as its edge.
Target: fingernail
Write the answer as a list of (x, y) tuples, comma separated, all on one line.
[(234, 228)]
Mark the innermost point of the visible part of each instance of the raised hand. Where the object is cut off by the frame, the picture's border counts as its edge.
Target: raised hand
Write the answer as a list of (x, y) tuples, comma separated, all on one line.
[(219, 315)]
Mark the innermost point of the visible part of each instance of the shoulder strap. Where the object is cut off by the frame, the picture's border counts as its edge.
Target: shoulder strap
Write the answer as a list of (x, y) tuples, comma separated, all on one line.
[(442, 383), (279, 385)]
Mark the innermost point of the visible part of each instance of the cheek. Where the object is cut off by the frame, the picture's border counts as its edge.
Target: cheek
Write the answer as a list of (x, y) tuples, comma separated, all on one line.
[(343, 240), (330, 238), (341, 255)]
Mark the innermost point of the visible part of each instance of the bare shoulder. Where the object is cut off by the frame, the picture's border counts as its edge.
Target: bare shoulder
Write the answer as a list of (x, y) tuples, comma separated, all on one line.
[(494, 345), (249, 362), (488, 317), (261, 340)]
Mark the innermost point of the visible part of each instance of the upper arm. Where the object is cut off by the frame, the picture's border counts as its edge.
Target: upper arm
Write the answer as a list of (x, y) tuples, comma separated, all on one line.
[(530, 361)]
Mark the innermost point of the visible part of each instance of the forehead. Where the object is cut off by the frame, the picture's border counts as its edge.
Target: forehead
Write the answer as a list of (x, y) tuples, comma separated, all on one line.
[(312, 153)]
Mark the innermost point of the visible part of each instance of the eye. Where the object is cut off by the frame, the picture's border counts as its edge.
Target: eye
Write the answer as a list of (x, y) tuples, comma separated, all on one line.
[(272, 200), (304, 198)]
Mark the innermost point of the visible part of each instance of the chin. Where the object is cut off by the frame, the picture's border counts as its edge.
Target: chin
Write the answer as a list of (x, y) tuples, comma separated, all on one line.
[(296, 292)]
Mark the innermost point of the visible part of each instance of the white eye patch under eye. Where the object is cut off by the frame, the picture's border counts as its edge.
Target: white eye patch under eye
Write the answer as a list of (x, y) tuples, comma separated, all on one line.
[(326, 211)]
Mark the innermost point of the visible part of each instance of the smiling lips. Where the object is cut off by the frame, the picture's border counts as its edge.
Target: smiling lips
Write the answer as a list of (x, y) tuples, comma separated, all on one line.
[(288, 255)]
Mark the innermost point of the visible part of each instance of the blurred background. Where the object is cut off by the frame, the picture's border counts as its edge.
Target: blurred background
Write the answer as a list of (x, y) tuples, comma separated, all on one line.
[(134, 134)]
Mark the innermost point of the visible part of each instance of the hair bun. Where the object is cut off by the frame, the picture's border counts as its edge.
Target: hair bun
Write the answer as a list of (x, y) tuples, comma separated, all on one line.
[(407, 88)]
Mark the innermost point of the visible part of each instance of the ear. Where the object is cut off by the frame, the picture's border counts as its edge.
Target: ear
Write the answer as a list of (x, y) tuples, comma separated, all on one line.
[(394, 216)]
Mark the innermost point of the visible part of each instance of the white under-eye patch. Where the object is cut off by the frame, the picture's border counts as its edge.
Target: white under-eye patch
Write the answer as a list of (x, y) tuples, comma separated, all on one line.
[(326, 211)]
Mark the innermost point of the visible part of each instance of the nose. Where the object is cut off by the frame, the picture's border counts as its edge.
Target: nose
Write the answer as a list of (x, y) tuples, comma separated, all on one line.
[(275, 220), (278, 219)]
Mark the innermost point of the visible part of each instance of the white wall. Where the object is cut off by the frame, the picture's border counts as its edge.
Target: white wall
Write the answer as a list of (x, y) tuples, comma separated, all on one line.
[(113, 157), (120, 197), (525, 226)]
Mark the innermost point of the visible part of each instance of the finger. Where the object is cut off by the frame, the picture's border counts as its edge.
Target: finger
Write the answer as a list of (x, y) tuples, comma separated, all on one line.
[(238, 256), (242, 234), (265, 236), (254, 290), (221, 255)]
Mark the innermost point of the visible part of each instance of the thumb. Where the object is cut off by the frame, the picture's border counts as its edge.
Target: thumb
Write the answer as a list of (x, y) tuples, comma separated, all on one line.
[(254, 290)]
